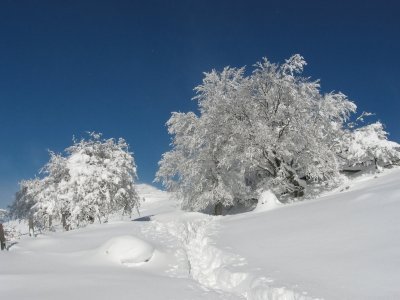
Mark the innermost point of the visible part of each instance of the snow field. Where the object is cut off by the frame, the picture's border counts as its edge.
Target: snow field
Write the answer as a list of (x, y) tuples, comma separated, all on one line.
[(343, 245), (76, 265)]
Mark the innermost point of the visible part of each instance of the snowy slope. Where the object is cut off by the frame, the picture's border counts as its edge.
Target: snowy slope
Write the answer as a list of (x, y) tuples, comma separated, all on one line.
[(150, 194), (102, 262), (344, 245)]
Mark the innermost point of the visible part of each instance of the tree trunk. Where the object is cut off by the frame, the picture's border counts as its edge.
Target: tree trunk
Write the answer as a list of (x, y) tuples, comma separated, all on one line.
[(297, 189), (218, 209), (2, 238), (31, 228), (64, 221), (50, 221)]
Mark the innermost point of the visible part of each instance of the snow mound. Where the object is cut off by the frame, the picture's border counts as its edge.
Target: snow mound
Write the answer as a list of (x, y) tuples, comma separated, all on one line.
[(267, 201), (127, 250)]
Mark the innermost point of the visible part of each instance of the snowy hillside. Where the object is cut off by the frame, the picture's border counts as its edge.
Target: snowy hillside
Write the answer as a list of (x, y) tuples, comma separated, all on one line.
[(343, 245)]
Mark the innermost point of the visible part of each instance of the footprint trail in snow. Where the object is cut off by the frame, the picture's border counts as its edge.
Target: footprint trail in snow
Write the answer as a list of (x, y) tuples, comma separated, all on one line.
[(189, 238)]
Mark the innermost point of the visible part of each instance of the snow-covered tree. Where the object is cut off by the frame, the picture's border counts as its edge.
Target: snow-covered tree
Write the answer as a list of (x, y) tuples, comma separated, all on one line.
[(102, 174), (369, 145), (94, 179), (25, 199), (53, 197), (292, 128), (198, 169), (272, 129), (3, 215), (203, 167)]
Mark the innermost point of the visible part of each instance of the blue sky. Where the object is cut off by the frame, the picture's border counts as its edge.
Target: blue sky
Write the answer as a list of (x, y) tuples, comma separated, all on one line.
[(121, 67)]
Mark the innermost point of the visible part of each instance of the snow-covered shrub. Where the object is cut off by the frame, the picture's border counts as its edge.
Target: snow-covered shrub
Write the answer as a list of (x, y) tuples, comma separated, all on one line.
[(94, 179), (271, 129), (369, 145)]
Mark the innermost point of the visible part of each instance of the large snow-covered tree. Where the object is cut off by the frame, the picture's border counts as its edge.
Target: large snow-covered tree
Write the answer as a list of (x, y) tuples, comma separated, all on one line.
[(270, 129), (94, 179)]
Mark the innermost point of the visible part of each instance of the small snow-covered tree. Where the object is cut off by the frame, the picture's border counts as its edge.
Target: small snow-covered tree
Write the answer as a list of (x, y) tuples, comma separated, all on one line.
[(3, 215), (25, 199), (369, 145), (93, 180), (102, 174), (54, 196)]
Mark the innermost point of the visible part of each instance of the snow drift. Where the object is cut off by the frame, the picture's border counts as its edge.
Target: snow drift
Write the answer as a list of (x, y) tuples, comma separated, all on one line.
[(127, 250), (267, 201)]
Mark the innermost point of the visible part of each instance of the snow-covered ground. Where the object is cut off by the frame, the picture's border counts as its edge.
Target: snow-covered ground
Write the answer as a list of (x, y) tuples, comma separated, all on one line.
[(344, 245), (115, 260)]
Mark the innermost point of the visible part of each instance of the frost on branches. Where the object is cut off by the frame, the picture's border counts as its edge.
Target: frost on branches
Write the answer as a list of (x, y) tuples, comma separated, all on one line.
[(369, 145), (272, 129), (94, 179)]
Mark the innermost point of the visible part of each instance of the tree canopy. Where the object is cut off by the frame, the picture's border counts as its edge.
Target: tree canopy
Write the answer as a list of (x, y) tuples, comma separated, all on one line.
[(270, 129)]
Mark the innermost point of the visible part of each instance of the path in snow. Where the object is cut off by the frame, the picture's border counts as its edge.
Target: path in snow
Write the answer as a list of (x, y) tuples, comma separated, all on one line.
[(190, 238)]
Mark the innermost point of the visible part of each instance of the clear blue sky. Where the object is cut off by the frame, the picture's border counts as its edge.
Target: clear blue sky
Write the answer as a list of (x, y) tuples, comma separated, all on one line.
[(121, 67)]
